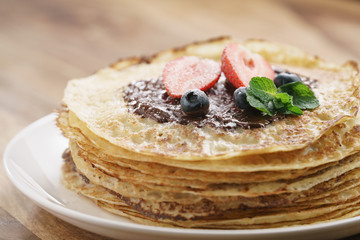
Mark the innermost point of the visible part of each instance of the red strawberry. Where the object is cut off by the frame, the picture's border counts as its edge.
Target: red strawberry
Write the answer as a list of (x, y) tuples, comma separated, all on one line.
[(240, 65), (190, 72)]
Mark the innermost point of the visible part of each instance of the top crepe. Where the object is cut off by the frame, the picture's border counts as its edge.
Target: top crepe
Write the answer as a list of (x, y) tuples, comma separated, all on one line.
[(97, 101)]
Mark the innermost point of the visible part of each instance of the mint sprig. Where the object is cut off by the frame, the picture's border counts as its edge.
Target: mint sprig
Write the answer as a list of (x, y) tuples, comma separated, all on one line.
[(290, 98)]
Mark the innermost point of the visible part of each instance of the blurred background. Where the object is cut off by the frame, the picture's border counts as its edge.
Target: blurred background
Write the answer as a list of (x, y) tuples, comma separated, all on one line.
[(45, 43)]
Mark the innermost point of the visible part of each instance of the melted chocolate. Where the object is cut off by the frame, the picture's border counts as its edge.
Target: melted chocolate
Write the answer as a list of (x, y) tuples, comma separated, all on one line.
[(149, 99)]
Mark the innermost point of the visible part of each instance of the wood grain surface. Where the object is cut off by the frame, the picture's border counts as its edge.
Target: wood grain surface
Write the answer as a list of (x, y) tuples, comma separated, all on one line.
[(44, 43)]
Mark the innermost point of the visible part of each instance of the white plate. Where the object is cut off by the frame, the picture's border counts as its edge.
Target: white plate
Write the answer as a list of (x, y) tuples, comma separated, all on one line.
[(33, 163)]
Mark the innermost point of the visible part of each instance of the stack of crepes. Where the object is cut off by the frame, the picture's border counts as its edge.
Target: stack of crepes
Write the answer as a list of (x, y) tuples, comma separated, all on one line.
[(297, 170)]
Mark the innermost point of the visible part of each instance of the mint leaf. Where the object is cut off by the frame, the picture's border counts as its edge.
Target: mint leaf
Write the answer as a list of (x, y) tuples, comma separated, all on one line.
[(302, 95), (259, 104), (263, 88), (284, 103), (261, 93), (281, 100), (294, 110)]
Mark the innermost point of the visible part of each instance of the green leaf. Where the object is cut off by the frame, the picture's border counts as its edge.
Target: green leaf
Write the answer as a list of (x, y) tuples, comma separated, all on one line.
[(284, 104), (259, 104), (294, 110), (263, 88), (302, 95), (281, 100)]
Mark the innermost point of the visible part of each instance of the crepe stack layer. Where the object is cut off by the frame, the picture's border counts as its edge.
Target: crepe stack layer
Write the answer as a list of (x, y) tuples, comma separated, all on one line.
[(297, 170)]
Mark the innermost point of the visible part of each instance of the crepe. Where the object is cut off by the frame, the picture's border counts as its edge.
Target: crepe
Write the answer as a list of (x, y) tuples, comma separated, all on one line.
[(97, 102), (336, 144), (297, 170)]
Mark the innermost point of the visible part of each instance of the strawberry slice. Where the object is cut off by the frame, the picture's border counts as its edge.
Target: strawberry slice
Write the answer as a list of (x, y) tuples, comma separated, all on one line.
[(190, 72), (240, 65)]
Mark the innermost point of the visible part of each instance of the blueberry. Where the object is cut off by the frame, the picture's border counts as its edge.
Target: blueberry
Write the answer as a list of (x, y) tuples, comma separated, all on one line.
[(285, 78), (195, 103), (240, 98)]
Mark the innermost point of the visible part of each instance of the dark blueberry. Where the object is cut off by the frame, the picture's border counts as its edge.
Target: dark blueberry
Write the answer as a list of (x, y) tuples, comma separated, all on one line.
[(240, 98), (195, 103), (285, 78)]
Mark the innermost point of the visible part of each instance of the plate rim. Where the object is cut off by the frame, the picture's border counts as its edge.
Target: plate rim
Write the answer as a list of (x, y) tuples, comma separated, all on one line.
[(135, 227)]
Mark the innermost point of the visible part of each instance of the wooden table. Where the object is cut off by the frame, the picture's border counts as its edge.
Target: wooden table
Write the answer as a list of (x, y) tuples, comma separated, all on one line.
[(44, 43)]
